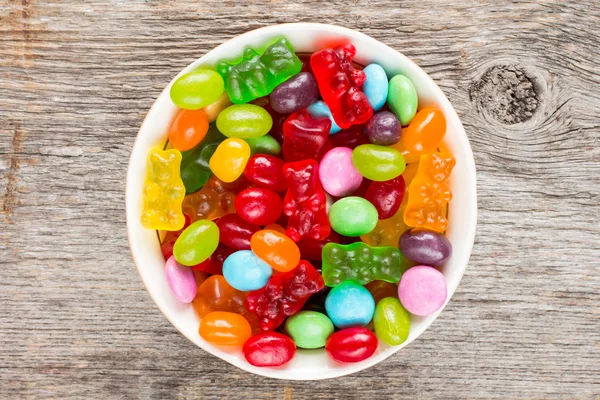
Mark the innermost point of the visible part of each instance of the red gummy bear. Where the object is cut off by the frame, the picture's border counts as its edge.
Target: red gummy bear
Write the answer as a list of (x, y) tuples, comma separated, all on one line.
[(284, 295), (339, 84), (304, 137), (305, 202)]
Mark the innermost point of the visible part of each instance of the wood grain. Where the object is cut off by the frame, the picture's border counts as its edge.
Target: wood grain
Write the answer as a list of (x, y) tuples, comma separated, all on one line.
[(76, 79)]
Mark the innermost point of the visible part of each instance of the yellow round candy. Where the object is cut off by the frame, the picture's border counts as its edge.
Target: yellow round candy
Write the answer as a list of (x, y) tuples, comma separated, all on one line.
[(229, 160)]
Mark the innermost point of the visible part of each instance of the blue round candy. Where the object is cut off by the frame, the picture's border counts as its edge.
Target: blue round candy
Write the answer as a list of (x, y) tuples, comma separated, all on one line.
[(244, 271), (376, 86), (349, 304), (319, 109)]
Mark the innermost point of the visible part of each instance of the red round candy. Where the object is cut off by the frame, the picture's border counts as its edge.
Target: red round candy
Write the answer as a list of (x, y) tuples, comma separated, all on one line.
[(386, 196), (351, 345), (236, 232), (269, 349), (258, 206), (266, 171)]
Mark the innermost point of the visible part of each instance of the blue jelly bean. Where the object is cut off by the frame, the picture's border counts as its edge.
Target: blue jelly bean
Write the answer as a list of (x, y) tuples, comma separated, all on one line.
[(244, 271), (349, 304), (319, 109), (376, 86)]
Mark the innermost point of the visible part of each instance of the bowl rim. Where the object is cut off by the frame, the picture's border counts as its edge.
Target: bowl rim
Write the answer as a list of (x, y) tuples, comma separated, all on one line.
[(471, 197)]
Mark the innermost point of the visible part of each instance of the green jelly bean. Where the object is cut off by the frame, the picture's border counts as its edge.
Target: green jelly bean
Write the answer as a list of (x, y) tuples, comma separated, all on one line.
[(402, 99), (196, 243), (244, 121), (265, 144), (352, 216), (309, 329), (195, 170), (197, 89), (391, 321), (378, 163)]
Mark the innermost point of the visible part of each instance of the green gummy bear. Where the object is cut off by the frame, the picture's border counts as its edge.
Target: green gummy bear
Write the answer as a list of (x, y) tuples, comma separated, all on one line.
[(361, 263), (257, 75), (195, 170)]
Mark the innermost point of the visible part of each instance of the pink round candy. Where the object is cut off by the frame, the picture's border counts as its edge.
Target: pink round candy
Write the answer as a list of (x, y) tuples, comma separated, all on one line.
[(181, 280), (422, 290), (338, 176)]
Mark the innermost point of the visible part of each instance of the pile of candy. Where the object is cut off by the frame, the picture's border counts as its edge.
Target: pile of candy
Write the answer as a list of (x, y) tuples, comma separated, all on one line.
[(282, 202)]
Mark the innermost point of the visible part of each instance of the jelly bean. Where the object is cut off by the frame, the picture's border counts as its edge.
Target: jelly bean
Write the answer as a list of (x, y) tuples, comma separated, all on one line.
[(402, 99), (225, 328), (258, 206), (391, 321), (181, 280), (319, 109), (351, 345), (381, 289), (266, 171), (352, 216), (214, 109), (383, 129), (298, 92), (349, 304), (188, 129), (386, 196), (197, 242), (214, 263), (424, 246), (378, 163), (376, 86), (312, 249), (245, 271), (229, 160), (422, 290), (235, 232), (278, 250), (215, 294), (276, 228), (409, 158), (269, 349), (425, 132), (195, 168), (197, 89), (337, 174), (244, 121), (265, 144), (351, 137), (309, 329)]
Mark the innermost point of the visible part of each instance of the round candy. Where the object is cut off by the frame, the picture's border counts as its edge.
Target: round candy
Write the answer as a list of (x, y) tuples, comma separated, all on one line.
[(424, 246), (376, 86), (244, 121), (349, 304), (229, 159), (383, 129), (309, 329), (386, 196), (422, 290), (225, 328), (337, 174), (196, 243), (402, 99), (266, 171), (319, 109), (244, 271), (264, 144), (351, 345), (352, 216), (181, 280), (378, 163), (425, 132), (296, 93), (259, 206), (235, 232), (278, 250), (188, 129), (269, 349), (391, 321), (197, 89), (381, 289)]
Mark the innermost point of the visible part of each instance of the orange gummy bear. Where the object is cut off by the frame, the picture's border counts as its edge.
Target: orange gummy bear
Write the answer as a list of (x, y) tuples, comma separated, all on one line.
[(214, 200)]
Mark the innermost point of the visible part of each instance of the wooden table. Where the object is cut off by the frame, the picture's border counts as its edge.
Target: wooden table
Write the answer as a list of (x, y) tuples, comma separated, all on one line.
[(76, 80)]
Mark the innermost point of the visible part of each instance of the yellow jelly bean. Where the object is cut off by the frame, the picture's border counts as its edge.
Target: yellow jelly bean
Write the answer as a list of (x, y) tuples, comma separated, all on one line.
[(229, 160)]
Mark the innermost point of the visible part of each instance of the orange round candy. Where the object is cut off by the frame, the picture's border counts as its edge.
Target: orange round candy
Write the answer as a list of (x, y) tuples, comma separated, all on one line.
[(278, 250), (225, 328), (188, 129), (425, 132)]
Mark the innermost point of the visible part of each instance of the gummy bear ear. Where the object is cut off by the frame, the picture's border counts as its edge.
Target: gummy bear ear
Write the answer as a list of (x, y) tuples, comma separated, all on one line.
[(249, 53), (349, 51), (223, 68)]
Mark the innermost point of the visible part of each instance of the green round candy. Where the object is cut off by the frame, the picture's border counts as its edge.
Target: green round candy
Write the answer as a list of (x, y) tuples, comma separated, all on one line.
[(244, 121), (352, 216), (265, 144), (197, 89), (378, 163), (196, 243), (391, 321), (309, 329), (402, 99)]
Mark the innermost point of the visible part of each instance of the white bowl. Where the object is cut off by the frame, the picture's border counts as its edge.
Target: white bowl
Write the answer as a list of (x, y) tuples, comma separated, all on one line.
[(306, 37)]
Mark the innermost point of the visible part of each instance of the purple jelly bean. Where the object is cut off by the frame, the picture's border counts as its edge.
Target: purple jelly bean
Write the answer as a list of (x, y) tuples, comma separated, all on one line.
[(182, 280), (383, 129), (424, 246), (295, 94)]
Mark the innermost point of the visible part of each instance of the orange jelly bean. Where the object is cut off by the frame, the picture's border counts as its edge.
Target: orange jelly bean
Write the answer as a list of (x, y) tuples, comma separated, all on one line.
[(425, 132), (225, 328), (278, 250), (188, 129), (380, 290)]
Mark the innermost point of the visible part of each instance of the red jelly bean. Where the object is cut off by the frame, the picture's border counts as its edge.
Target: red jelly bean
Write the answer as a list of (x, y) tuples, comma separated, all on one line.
[(266, 171), (235, 232), (311, 249), (386, 196), (351, 345), (269, 349), (214, 263), (305, 137), (258, 206), (351, 137)]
